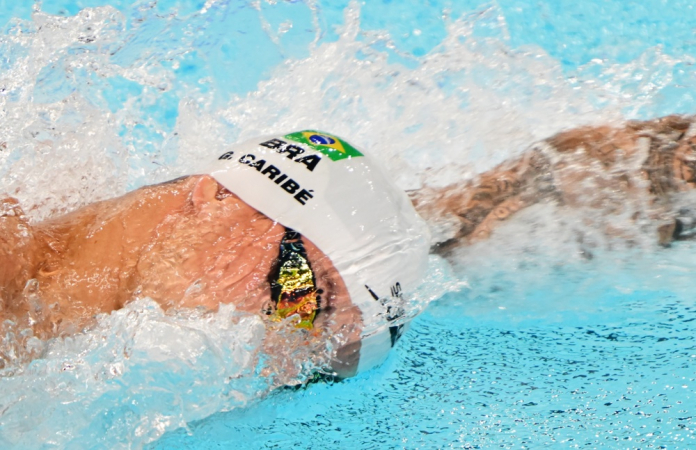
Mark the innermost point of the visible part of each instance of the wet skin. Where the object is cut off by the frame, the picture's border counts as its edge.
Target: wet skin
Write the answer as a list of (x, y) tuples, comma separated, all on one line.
[(636, 170), (187, 243)]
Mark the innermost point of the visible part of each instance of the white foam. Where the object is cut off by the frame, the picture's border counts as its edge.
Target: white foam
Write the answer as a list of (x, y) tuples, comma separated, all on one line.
[(140, 372)]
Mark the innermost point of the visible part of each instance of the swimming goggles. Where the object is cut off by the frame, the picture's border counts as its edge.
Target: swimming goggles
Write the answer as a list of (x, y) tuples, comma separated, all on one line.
[(293, 284)]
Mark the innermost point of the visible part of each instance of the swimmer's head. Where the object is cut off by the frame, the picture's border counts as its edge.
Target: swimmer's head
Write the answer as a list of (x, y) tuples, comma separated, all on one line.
[(339, 199)]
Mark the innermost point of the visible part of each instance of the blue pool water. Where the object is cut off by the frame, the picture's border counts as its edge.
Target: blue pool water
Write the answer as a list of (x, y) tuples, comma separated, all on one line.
[(529, 343), (604, 360)]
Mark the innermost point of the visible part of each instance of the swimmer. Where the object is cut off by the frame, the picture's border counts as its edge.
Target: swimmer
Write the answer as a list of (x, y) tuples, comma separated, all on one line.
[(300, 227), (306, 228)]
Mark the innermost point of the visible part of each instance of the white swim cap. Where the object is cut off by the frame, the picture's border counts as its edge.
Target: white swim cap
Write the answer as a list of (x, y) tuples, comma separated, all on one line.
[(324, 188)]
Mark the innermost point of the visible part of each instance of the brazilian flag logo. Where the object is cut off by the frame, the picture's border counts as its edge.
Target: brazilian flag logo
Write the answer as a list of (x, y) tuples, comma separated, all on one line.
[(333, 147)]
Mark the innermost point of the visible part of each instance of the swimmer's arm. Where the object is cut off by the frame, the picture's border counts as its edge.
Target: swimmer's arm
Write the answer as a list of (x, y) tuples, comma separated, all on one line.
[(18, 250), (465, 212)]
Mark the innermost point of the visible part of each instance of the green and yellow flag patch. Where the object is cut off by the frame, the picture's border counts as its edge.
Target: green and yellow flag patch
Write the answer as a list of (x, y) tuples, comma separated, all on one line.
[(333, 147)]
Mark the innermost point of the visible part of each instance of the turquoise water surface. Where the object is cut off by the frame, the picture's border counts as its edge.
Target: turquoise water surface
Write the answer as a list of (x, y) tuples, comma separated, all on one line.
[(529, 342)]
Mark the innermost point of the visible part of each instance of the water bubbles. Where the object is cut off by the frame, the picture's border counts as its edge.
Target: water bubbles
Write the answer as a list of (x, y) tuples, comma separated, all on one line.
[(204, 355)]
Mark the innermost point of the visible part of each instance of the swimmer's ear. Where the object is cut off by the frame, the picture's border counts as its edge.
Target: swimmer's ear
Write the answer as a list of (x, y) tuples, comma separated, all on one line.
[(204, 192)]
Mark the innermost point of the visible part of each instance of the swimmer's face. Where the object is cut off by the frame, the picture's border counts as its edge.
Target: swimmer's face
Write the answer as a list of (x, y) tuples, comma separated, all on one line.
[(217, 249)]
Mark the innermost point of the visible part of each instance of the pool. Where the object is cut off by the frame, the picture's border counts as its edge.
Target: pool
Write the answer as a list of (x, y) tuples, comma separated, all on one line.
[(528, 343)]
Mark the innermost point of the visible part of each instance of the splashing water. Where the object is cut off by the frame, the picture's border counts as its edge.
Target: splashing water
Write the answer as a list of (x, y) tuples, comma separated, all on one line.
[(107, 100)]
